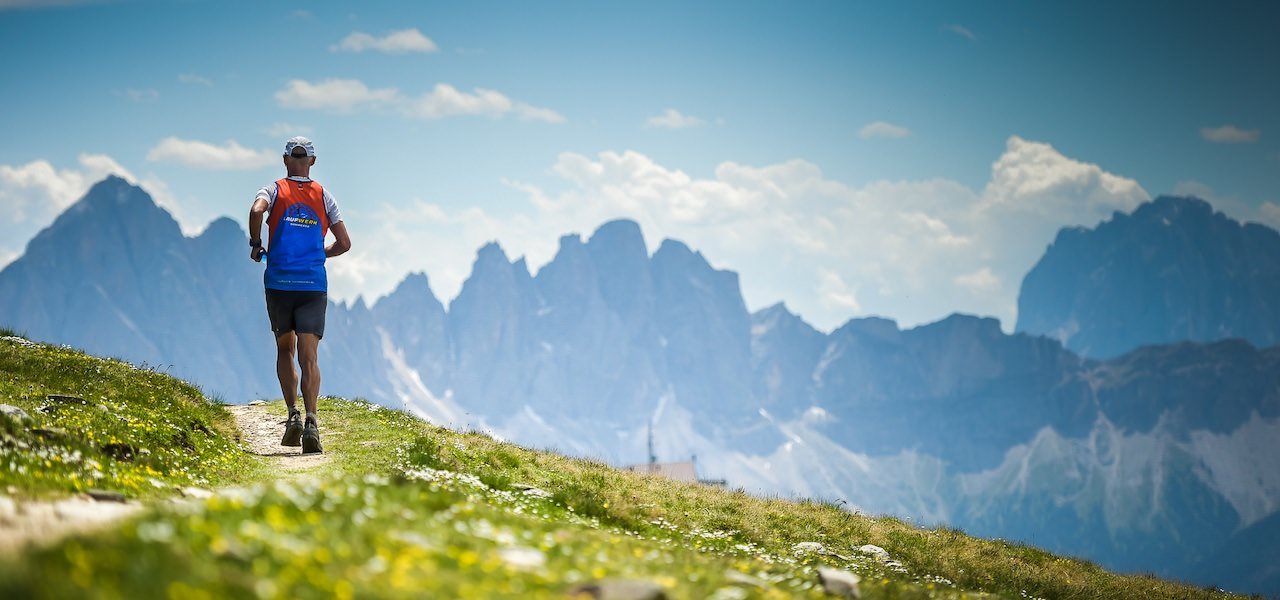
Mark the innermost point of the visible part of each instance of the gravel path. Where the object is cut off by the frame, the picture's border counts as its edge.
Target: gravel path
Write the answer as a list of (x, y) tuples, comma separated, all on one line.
[(43, 522), (261, 427)]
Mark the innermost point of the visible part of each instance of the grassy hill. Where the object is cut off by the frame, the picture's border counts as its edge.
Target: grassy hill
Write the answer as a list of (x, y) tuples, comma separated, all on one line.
[(406, 509)]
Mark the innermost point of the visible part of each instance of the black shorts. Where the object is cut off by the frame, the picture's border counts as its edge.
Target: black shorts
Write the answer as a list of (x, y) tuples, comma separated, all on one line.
[(302, 312)]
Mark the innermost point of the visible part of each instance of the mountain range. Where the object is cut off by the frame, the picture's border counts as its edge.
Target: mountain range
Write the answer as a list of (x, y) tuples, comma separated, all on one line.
[(1172, 270), (1136, 437)]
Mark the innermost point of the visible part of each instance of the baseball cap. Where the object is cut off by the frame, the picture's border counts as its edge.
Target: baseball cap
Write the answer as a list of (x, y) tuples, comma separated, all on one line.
[(299, 141)]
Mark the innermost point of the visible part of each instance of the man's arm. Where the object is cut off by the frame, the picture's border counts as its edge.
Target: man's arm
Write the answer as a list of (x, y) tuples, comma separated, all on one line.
[(256, 211), (341, 241)]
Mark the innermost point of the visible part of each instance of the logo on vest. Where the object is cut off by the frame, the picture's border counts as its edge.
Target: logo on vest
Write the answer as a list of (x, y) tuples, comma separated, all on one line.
[(299, 215)]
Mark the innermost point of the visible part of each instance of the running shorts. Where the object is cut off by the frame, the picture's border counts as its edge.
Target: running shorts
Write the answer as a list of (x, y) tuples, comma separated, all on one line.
[(298, 311)]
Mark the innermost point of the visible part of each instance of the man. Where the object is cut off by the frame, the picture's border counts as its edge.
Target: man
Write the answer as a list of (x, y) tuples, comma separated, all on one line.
[(300, 211)]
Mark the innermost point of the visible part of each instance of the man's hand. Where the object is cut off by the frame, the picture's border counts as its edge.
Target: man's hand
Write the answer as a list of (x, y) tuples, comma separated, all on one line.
[(256, 253)]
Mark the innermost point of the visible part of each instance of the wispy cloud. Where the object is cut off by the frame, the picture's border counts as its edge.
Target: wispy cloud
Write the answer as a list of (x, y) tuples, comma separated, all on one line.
[(1270, 214), (914, 250), (673, 119), (982, 281), (136, 95), (881, 129), (1230, 134), (447, 101), (396, 42), (444, 100), (32, 194), (835, 293), (336, 95), (194, 79), (534, 113), (203, 155), (961, 31)]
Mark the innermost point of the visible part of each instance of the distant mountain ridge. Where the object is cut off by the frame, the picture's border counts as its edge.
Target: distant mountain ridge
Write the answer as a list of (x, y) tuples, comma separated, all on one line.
[(114, 275), (954, 421), (1173, 270)]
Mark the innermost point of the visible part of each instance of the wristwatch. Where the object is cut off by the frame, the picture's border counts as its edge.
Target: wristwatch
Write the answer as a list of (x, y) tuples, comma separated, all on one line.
[(255, 243)]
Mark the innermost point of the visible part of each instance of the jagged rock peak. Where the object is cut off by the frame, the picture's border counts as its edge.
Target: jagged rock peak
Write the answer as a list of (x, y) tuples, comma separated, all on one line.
[(412, 293), (112, 193), (876, 327), (774, 311), (778, 317), (570, 240), (675, 248), (416, 283), (674, 252), (223, 228), (983, 326), (621, 235), (779, 314), (1175, 206), (491, 252)]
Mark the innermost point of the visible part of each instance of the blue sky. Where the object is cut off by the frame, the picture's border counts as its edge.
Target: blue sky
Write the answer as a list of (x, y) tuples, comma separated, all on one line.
[(906, 160)]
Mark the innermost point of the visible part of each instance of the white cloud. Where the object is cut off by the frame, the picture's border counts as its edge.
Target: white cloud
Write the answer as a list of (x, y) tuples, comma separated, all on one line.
[(8, 256), (40, 190), (444, 100), (833, 292), (1034, 178), (396, 42), (136, 95), (911, 250), (32, 194), (880, 129), (336, 95), (35, 193), (979, 282), (1230, 134), (194, 79), (447, 101), (961, 31), (533, 113), (203, 155), (1270, 214), (673, 119)]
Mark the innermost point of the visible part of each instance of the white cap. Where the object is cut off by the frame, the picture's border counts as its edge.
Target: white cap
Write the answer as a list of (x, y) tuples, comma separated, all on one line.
[(299, 141)]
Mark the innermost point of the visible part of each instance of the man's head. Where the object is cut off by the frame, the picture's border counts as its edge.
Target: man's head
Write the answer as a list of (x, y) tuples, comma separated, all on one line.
[(299, 155)]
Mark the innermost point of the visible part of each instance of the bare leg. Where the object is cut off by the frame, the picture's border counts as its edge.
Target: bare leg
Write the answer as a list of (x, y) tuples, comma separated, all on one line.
[(308, 347), (284, 368)]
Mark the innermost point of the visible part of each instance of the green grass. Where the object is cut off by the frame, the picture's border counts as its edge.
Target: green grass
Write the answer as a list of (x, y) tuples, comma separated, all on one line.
[(105, 424), (407, 509)]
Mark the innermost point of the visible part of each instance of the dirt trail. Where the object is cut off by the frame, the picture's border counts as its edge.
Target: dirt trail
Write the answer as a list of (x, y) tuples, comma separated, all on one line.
[(43, 522), (261, 427)]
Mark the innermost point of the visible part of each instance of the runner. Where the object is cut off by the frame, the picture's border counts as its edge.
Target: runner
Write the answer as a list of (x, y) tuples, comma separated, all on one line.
[(299, 213)]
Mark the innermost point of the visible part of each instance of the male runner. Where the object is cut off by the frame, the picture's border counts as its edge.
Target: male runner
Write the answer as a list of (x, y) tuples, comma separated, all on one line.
[(299, 213)]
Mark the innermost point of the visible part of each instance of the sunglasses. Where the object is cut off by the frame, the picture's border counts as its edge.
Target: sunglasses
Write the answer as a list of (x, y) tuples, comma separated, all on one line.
[(297, 155)]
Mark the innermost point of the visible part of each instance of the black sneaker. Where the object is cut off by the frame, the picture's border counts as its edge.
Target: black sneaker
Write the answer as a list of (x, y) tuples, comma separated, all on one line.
[(311, 437), (292, 429)]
